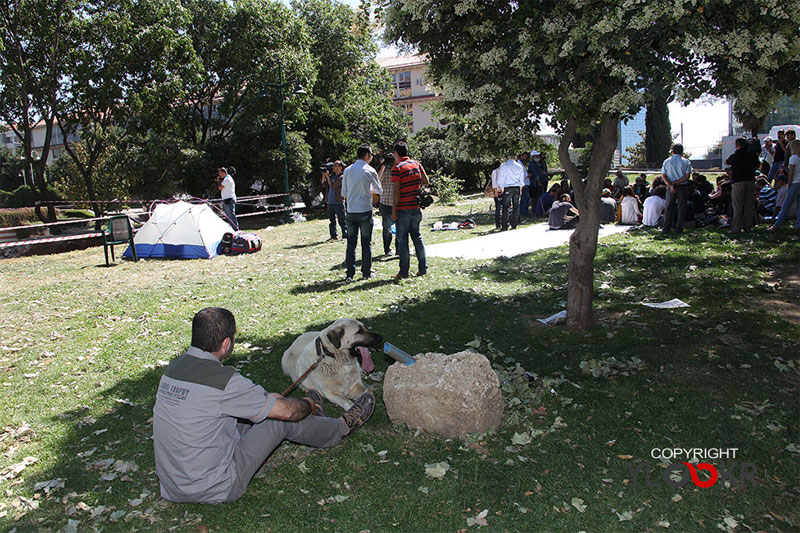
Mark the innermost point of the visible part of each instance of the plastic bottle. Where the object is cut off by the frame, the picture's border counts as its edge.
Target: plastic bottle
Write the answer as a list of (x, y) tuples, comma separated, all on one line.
[(397, 354)]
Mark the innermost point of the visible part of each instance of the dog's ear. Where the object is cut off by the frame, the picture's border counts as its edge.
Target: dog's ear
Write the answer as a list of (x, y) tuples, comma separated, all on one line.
[(335, 336)]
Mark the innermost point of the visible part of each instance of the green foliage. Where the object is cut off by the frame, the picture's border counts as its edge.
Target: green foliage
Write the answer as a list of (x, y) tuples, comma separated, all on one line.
[(351, 104), (658, 138), (445, 187), (714, 151), (10, 169), (19, 216), (637, 154), (22, 196), (109, 177)]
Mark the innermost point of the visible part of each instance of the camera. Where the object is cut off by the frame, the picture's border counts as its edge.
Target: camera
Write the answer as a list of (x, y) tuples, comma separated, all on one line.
[(327, 167)]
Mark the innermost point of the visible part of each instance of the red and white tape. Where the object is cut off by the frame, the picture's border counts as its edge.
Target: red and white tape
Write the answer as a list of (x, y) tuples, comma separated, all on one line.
[(51, 239)]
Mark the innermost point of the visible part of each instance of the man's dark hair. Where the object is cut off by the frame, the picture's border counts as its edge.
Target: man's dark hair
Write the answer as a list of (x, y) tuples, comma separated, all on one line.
[(781, 131), (401, 148), (660, 191), (211, 326), (363, 150), (762, 182), (677, 149), (741, 142), (565, 198)]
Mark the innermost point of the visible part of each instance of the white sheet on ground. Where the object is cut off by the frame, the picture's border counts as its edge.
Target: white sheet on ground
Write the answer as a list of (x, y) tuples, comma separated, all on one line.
[(555, 319), (670, 304), (510, 243)]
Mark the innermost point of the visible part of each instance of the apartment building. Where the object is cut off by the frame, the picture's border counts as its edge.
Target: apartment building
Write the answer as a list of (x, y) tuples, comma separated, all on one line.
[(8, 139), (412, 93)]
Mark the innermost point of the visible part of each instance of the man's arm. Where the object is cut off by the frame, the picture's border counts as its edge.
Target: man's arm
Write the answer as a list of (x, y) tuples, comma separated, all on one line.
[(423, 176), (291, 409), (396, 199), (376, 182)]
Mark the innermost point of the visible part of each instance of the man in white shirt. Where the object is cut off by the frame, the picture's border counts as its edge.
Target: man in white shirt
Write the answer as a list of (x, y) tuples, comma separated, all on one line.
[(227, 189), (676, 172), (511, 177), (359, 181)]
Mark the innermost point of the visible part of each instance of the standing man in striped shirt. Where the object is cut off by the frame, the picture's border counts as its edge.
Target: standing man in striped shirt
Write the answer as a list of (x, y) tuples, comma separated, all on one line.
[(408, 177)]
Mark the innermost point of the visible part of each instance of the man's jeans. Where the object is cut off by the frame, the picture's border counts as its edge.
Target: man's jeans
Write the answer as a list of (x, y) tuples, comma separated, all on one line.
[(359, 223), (792, 196), (743, 198), (336, 211), (511, 197), (525, 200), (773, 170), (408, 221), (498, 205), (229, 208), (680, 196), (386, 221)]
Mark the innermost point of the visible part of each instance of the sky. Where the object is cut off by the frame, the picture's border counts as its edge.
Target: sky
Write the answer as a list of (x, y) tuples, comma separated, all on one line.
[(704, 123)]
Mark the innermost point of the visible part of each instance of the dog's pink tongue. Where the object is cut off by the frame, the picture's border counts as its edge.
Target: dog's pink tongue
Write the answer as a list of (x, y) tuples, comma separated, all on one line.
[(366, 359)]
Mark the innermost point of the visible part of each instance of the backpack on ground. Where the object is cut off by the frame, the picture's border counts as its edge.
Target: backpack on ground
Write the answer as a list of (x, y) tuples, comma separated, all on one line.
[(245, 243), (225, 244)]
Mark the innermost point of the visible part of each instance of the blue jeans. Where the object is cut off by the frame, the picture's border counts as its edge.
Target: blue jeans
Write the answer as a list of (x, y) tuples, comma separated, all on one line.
[(773, 170), (386, 220), (229, 208), (792, 196), (336, 211), (359, 223), (408, 221), (525, 200)]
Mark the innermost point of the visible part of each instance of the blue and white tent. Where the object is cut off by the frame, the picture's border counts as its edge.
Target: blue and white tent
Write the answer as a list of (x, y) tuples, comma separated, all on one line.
[(180, 230)]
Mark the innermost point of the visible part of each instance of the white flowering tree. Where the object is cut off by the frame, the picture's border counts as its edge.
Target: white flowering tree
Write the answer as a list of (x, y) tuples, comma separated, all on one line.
[(587, 64)]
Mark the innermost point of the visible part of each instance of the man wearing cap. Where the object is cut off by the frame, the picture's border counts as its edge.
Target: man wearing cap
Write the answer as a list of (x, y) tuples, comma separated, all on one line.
[(332, 182)]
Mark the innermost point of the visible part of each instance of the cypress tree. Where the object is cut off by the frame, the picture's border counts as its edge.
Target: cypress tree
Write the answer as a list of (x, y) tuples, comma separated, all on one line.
[(658, 139)]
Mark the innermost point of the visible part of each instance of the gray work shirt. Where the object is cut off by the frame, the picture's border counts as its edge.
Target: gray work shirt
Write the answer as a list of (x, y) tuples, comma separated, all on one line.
[(194, 425)]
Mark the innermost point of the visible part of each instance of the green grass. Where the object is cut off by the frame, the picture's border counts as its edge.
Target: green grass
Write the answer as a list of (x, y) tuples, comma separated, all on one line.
[(82, 346)]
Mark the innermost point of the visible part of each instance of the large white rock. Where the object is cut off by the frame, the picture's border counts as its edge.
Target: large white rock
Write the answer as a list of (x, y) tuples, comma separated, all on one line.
[(451, 395)]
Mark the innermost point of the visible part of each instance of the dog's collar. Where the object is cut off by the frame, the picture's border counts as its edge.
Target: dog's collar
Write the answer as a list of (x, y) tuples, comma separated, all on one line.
[(322, 351)]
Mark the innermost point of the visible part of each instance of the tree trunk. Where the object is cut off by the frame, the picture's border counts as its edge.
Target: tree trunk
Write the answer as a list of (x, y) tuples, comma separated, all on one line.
[(658, 138), (583, 242)]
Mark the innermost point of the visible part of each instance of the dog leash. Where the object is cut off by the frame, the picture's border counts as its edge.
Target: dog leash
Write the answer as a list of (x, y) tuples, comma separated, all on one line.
[(321, 352)]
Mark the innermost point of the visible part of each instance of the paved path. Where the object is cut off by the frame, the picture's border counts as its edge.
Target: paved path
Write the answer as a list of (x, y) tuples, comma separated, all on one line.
[(510, 243)]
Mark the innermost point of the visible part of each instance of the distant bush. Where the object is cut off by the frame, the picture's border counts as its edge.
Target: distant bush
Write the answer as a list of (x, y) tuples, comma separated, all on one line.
[(18, 217), (20, 197), (445, 187)]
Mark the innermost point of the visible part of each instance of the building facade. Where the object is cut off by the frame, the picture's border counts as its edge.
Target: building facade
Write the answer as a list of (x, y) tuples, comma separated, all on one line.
[(411, 92), (9, 140)]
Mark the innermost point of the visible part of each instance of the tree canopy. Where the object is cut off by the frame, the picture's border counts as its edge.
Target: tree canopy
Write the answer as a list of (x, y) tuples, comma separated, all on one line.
[(589, 64)]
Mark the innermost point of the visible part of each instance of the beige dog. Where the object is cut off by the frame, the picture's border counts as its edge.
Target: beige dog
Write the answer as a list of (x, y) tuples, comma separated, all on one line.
[(338, 376)]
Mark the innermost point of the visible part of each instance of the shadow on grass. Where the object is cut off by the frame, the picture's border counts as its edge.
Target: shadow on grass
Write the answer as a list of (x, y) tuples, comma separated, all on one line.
[(674, 346)]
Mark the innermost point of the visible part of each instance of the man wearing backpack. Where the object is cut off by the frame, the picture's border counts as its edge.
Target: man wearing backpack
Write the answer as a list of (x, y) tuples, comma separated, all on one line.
[(743, 165)]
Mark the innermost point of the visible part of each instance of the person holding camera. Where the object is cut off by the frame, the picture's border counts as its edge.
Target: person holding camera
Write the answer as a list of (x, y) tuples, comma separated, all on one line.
[(227, 189), (332, 182), (386, 201), (408, 178)]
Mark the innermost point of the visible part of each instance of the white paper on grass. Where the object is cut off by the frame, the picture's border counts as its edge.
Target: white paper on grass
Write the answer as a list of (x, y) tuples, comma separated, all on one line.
[(670, 304), (555, 319)]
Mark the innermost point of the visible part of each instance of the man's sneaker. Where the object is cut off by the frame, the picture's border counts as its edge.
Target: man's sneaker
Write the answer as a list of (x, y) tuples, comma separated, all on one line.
[(359, 413), (319, 402)]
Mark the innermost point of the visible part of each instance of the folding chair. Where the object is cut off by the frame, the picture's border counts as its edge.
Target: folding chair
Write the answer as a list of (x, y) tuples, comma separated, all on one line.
[(118, 231)]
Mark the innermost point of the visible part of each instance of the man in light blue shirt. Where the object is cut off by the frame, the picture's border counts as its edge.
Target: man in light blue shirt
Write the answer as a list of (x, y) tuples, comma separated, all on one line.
[(676, 172), (359, 181)]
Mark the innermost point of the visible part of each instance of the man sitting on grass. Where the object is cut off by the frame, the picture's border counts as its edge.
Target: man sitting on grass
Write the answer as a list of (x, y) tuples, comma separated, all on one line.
[(563, 215), (214, 428)]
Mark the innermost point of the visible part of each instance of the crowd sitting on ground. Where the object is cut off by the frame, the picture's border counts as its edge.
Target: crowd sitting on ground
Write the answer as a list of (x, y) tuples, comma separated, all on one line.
[(754, 188)]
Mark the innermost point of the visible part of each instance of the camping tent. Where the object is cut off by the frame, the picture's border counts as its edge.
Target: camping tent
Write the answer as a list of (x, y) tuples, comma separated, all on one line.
[(180, 230)]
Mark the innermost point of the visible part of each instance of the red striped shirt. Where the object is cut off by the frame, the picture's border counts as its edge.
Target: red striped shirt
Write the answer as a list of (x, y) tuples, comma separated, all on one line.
[(408, 173)]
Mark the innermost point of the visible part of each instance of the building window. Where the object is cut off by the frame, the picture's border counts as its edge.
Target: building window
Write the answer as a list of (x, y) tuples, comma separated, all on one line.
[(402, 83)]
